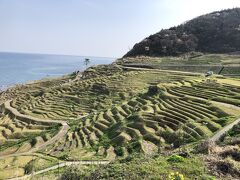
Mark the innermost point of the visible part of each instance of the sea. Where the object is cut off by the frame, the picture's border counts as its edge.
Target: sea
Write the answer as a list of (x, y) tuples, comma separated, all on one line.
[(20, 68)]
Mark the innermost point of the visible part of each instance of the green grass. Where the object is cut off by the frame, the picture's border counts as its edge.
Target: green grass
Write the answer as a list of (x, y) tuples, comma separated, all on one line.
[(159, 167), (190, 63), (128, 112), (110, 121), (29, 137)]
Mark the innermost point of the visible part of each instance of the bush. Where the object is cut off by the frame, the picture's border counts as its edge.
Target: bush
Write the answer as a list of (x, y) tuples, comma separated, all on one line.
[(223, 121), (29, 167), (45, 137), (175, 158), (205, 146), (122, 95), (235, 130), (64, 157), (72, 173), (119, 150), (134, 146), (153, 90), (33, 142), (105, 141)]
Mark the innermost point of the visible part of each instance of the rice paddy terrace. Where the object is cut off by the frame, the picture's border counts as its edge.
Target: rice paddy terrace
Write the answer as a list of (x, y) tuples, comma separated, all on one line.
[(224, 64), (111, 112)]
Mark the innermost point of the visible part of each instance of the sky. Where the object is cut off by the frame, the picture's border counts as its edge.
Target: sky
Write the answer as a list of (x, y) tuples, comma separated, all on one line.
[(106, 28)]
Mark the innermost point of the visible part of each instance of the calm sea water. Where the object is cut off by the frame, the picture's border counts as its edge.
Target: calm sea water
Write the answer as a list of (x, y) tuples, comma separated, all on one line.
[(18, 68)]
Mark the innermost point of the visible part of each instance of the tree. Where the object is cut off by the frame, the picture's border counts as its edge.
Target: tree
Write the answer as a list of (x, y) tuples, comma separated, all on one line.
[(86, 61), (29, 167)]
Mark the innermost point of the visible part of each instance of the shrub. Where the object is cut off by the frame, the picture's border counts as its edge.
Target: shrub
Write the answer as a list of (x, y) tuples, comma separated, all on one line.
[(104, 141), (119, 150), (223, 121), (205, 146), (175, 138), (64, 157), (235, 130), (45, 137), (33, 142), (175, 158), (72, 173), (29, 167), (122, 95), (153, 90), (134, 146)]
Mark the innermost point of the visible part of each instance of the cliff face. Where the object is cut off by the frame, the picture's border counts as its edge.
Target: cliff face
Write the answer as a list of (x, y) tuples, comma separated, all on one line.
[(217, 32)]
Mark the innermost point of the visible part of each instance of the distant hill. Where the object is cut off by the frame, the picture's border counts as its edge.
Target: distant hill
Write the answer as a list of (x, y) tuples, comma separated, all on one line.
[(217, 32)]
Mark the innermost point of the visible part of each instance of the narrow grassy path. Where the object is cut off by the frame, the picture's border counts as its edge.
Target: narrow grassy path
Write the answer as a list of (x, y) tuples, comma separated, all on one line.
[(60, 165), (219, 134)]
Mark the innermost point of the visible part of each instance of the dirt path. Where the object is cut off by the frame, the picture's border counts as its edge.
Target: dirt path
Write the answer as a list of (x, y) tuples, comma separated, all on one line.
[(60, 165), (158, 70), (218, 135), (63, 131)]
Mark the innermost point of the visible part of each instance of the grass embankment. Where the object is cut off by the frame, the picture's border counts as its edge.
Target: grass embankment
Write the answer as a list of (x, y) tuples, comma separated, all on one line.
[(187, 59), (21, 165), (114, 113), (159, 167), (138, 166), (223, 64)]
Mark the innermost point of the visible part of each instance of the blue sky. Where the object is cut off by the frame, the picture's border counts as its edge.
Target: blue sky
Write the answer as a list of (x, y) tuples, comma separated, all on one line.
[(92, 27)]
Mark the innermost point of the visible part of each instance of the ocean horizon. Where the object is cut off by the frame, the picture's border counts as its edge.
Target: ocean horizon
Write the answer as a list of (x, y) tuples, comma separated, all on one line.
[(20, 68)]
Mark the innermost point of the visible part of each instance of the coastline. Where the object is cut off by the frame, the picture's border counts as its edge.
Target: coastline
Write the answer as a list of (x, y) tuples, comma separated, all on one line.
[(32, 68), (7, 92), (6, 87)]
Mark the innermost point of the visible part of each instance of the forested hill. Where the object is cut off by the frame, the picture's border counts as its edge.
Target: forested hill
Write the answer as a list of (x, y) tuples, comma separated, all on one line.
[(217, 32)]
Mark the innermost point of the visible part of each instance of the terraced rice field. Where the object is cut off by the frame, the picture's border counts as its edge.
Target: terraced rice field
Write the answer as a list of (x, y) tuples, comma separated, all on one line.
[(19, 135), (220, 64), (109, 112), (112, 112), (157, 121), (88, 95), (15, 166), (210, 90)]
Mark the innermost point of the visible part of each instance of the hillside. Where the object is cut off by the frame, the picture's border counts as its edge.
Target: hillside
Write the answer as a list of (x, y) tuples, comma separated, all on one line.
[(222, 64), (217, 32), (137, 118), (112, 112)]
